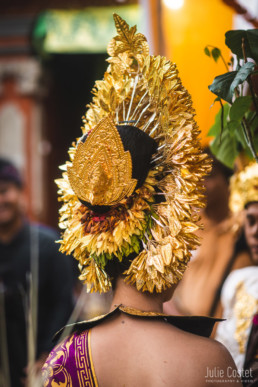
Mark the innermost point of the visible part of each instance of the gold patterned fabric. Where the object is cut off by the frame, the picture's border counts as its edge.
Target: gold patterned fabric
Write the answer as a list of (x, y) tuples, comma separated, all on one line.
[(144, 91), (70, 363)]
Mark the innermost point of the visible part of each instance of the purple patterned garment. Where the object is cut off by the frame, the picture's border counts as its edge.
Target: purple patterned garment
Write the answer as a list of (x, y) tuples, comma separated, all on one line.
[(70, 364)]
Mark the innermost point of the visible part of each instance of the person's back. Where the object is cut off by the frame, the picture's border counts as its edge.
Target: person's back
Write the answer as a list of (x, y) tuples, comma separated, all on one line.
[(140, 346), (128, 351)]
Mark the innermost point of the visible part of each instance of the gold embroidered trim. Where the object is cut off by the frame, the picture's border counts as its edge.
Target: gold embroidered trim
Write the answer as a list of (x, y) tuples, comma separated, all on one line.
[(91, 361)]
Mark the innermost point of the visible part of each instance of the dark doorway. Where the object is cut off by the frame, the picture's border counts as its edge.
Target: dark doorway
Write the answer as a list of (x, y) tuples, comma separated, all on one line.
[(70, 79)]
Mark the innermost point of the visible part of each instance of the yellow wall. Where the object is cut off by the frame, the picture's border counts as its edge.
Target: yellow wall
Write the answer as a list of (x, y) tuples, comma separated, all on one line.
[(186, 32)]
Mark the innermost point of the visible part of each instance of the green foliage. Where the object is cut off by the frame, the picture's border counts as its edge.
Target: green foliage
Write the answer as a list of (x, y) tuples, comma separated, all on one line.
[(229, 143), (207, 51), (236, 123), (234, 42), (242, 75), (226, 149), (240, 107), (214, 52), (221, 120), (221, 86)]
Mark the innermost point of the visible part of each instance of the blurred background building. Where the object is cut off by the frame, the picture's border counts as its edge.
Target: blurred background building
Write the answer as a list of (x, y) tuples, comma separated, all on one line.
[(51, 52)]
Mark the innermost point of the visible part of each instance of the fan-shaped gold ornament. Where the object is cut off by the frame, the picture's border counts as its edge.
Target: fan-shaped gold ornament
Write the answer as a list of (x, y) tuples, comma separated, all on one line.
[(101, 173), (147, 91)]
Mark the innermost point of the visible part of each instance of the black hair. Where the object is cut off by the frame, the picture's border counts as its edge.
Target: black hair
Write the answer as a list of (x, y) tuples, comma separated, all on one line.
[(114, 268), (8, 172), (141, 147), (249, 203)]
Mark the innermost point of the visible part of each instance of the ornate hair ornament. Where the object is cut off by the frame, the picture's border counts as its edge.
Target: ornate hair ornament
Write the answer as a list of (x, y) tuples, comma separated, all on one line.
[(101, 173), (244, 188), (153, 221)]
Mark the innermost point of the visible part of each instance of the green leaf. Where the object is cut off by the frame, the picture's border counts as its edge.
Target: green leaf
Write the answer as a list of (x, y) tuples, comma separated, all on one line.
[(226, 150), (236, 130), (216, 127), (221, 85), (242, 74), (252, 36), (207, 51), (136, 248), (240, 136), (234, 42), (248, 152), (216, 53), (254, 127), (232, 127), (240, 106)]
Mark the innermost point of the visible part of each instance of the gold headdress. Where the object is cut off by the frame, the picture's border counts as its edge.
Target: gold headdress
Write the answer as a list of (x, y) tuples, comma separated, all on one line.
[(146, 91), (244, 188)]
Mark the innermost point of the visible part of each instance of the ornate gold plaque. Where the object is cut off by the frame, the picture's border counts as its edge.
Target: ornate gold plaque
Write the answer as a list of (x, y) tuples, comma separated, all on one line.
[(101, 173)]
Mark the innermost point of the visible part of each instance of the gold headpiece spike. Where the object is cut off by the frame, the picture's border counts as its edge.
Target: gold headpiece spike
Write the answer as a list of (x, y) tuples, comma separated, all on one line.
[(101, 173)]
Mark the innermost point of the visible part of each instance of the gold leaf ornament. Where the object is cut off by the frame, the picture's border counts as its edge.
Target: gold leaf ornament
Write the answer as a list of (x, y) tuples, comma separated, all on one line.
[(127, 39), (101, 172)]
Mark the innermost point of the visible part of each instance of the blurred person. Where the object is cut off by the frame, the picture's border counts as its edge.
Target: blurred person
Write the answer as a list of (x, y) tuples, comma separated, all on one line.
[(221, 251), (240, 290), (131, 195), (24, 245)]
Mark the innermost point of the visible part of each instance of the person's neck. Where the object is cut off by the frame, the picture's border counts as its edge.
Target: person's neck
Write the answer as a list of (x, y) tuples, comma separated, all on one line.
[(217, 214), (129, 296), (8, 231)]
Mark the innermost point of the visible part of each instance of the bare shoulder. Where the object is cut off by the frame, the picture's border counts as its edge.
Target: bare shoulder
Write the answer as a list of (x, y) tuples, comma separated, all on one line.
[(171, 356), (216, 361), (212, 352), (208, 361)]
